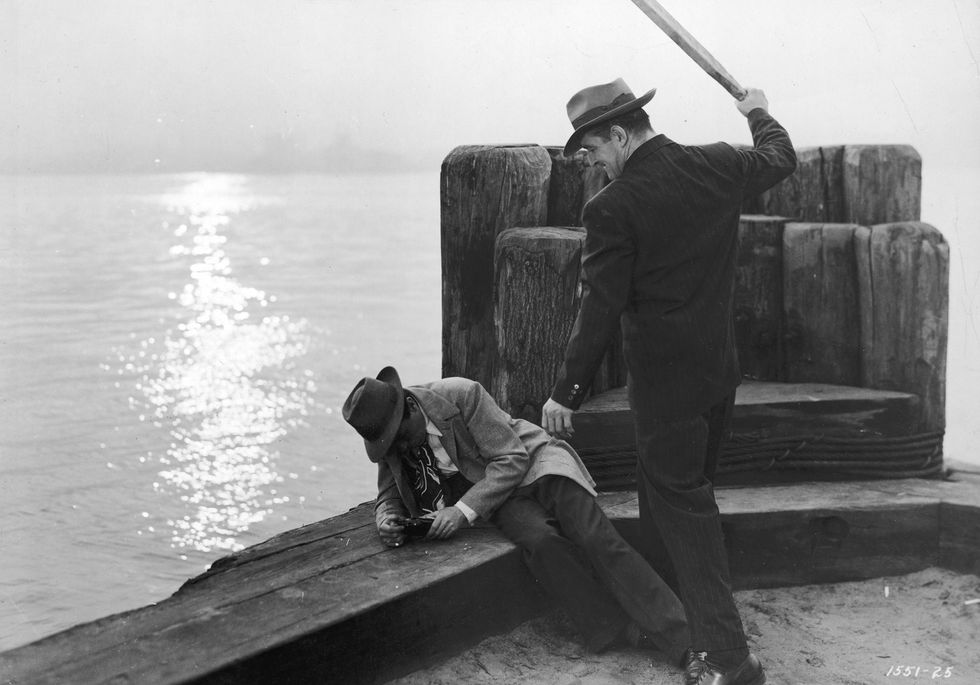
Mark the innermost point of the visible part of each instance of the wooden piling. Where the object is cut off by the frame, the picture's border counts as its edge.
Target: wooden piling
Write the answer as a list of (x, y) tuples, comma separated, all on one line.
[(537, 296), (903, 277), (484, 190), (821, 304), (536, 300), (882, 184), (573, 183), (814, 192), (814, 305), (758, 304), (861, 184)]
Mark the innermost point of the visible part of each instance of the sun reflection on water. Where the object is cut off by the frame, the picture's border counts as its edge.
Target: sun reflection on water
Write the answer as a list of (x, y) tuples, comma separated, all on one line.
[(224, 381)]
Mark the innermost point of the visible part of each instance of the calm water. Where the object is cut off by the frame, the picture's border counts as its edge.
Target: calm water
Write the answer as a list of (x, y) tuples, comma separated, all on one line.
[(174, 352), (173, 358)]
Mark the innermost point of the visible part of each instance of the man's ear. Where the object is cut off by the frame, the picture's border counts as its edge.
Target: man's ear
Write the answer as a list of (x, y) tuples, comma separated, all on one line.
[(618, 133)]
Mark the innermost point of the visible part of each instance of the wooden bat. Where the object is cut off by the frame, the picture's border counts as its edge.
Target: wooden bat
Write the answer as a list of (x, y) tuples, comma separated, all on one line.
[(689, 44)]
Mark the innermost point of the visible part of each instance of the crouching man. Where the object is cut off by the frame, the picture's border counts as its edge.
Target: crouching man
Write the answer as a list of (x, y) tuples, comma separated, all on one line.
[(445, 450)]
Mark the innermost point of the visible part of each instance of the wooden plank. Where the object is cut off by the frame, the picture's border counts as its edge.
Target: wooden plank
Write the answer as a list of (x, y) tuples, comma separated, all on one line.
[(816, 532), (405, 635), (346, 524), (779, 408), (814, 192), (959, 542), (484, 190), (758, 298), (276, 565), (779, 432), (604, 420), (536, 299), (903, 278), (882, 184), (212, 632), (821, 304), (959, 514), (418, 602), (822, 546), (861, 416)]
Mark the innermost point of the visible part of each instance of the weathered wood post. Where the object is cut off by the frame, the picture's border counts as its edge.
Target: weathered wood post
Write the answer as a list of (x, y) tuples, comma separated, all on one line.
[(882, 184), (903, 276), (484, 190), (821, 304), (814, 192), (573, 183), (536, 300), (758, 305), (859, 184)]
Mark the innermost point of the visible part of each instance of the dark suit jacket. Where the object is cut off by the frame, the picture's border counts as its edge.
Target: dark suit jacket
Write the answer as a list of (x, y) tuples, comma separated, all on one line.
[(495, 452), (659, 258)]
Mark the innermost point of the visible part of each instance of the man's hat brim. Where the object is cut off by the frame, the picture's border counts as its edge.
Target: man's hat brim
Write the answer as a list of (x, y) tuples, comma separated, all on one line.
[(378, 448), (575, 140)]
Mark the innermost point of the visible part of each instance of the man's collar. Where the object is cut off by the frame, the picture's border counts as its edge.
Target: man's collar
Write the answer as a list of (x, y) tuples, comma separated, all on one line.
[(436, 409), (430, 427), (647, 148)]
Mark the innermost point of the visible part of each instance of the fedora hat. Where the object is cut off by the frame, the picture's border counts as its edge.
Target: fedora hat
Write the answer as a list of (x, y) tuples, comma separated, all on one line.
[(596, 104), (375, 408)]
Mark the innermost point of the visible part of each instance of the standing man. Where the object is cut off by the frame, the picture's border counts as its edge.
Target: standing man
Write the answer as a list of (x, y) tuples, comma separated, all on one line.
[(659, 260), (447, 451)]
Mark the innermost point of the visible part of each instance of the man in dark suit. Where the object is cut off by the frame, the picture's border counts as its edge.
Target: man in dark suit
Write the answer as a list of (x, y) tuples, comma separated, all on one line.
[(659, 260), (447, 451)]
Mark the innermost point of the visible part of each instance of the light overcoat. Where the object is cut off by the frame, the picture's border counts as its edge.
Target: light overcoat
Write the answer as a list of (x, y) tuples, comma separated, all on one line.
[(494, 451)]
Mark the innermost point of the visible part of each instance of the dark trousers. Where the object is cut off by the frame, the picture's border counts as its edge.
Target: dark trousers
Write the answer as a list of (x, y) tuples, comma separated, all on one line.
[(680, 525), (597, 578)]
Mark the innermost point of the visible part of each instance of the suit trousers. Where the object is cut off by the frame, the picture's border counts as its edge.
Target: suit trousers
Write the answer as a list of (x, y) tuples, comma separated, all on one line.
[(596, 577), (680, 526)]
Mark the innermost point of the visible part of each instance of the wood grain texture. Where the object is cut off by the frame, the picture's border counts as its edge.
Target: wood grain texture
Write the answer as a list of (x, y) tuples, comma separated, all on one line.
[(573, 183), (779, 432), (758, 300), (536, 301), (821, 304), (484, 190), (690, 45), (773, 407), (882, 184), (814, 192), (903, 271)]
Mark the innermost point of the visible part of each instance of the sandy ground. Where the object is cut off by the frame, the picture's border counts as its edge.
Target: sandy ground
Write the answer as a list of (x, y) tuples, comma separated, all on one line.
[(923, 627)]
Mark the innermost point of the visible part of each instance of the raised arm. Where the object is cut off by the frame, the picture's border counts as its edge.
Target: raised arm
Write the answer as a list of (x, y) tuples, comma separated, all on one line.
[(773, 157)]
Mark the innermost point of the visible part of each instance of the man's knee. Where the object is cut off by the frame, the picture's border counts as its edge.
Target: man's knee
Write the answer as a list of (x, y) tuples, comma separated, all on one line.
[(526, 527), (537, 540)]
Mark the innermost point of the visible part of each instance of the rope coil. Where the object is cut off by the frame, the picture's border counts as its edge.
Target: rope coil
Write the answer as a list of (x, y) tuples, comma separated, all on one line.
[(816, 456)]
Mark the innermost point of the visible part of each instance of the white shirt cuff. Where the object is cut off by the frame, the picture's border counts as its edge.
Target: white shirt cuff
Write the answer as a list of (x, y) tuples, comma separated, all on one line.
[(470, 515)]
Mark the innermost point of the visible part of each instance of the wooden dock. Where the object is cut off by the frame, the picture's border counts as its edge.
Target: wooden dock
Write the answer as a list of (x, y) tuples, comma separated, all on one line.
[(329, 603)]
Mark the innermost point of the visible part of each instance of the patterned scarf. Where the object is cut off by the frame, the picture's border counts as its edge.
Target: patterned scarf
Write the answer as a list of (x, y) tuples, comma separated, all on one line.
[(426, 480)]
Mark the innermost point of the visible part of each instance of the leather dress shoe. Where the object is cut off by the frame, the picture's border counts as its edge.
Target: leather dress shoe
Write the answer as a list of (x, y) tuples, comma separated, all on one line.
[(699, 671)]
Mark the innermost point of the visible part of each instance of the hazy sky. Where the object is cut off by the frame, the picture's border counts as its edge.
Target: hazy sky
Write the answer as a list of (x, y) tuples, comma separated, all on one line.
[(176, 84)]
